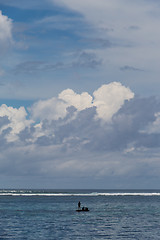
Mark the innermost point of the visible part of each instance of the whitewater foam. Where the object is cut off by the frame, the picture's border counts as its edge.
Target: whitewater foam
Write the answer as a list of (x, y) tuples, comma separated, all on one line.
[(93, 194)]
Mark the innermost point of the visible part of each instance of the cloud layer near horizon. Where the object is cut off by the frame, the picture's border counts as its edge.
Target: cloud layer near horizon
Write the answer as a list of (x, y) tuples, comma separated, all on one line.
[(79, 134)]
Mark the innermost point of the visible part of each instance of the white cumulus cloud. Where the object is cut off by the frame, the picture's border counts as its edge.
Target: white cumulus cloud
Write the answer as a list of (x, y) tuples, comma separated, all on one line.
[(55, 108), (106, 100), (17, 120), (109, 98), (50, 109), (79, 101), (5, 28)]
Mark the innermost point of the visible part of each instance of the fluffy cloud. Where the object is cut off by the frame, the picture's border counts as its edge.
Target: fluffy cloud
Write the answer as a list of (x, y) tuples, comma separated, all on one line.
[(80, 128), (51, 109), (73, 121), (6, 39), (64, 136), (109, 98), (79, 101), (5, 28), (60, 119), (17, 121)]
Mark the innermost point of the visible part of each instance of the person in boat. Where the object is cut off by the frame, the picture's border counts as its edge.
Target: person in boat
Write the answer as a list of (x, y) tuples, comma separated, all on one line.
[(79, 205)]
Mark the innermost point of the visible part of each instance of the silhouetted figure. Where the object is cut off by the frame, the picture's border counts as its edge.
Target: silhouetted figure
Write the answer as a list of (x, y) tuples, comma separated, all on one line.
[(83, 209)]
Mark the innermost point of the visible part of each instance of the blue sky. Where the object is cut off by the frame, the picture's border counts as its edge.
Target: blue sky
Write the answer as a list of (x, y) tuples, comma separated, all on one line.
[(63, 44), (79, 94)]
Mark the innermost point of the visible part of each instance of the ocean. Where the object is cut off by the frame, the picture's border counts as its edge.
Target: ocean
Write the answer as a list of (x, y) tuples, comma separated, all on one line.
[(51, 214)]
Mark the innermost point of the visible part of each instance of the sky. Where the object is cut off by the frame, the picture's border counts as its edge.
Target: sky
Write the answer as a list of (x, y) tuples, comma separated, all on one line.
[(80, 94)]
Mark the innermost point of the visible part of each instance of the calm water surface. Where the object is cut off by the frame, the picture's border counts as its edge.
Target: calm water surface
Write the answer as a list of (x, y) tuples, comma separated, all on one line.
[(50, 214)]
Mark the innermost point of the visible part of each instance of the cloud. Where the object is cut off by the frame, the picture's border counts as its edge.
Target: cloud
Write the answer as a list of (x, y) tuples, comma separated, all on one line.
[(107, 135), (5, 28), (129, 68), (154, 127), (132, 40), (51, 109), (17, 121), (74, 121), (80, 127), (109, 132), (79, 101), (87, 60), (6, 39), (109, 98), (82, 60), (61, 22), (131, 123), (133, 28), (99, 42), (30, 67)]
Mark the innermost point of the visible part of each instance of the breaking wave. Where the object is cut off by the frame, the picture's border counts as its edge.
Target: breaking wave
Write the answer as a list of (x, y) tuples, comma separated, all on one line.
[(65, 194)]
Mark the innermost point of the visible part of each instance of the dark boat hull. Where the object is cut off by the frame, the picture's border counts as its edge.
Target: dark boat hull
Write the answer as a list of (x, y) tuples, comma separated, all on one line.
[(80, 210)]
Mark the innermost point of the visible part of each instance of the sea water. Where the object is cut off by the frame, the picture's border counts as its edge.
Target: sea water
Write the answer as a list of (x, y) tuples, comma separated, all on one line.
[(51, 214)]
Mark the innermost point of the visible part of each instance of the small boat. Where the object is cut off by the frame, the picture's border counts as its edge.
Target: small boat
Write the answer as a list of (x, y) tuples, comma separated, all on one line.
[(83, 209)]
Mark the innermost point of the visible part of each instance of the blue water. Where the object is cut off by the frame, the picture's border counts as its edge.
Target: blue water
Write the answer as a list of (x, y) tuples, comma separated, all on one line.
[(51, 214)]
